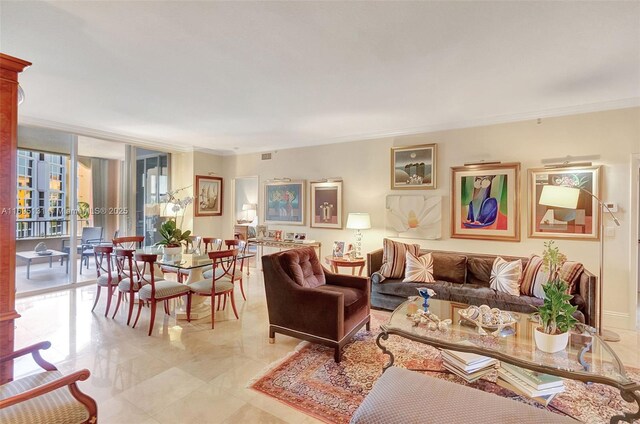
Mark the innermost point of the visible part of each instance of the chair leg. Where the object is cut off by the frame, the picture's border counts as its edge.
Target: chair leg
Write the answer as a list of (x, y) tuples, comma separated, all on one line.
[(233, 305), (109, 296), (242, 290), (224, 305), (337, 354), (189, 307), (153, 316), (97, 297), (219, 297), (118, 302), (272, 336), (213, 313), (166, 307), (138, 314), (368, 326), (132, 297)]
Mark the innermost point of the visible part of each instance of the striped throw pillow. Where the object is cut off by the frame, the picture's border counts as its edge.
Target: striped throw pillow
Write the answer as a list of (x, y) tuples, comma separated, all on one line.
[(419, 269), (529, 274), (506, 276), (393, 257), (534, 276)]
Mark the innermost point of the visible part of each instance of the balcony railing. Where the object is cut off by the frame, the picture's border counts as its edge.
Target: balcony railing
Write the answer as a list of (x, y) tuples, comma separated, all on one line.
[(43, 228)]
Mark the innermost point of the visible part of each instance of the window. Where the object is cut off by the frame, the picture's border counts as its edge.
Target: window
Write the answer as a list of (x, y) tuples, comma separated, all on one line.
[(42, 191)]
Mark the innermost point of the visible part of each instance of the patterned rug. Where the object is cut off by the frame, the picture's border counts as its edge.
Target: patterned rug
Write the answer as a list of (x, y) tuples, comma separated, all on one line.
[(311, 382)]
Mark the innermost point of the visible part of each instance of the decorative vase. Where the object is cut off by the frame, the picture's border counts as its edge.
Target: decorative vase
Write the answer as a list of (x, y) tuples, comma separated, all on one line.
[(424, 292), (169, 253), (551, 343)]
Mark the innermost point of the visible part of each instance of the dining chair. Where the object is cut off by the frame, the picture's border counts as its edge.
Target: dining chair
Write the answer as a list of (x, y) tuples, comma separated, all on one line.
[(154, 291), (211, 244), (219, 284), (131, 280), (128, 242), (106, 276), (241, 245)]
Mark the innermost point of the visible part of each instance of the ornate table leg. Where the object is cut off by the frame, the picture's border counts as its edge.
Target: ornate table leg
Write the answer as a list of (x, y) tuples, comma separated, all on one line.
[(584, 350), (384, 336), (629, 396)]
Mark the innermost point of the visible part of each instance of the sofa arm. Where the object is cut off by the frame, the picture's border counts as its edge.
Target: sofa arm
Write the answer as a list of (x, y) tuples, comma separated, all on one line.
[(587, 289), (34, 350), (61, 382), (374, 261)]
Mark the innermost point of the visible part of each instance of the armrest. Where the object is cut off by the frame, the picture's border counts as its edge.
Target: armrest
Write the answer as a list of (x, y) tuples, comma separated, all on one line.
[(374, 261), (355, 282), (587, 289), (34, 350), (312, 311), (46, 388)]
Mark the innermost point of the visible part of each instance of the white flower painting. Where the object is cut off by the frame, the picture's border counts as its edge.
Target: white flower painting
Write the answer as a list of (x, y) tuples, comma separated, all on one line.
[(416, 217)]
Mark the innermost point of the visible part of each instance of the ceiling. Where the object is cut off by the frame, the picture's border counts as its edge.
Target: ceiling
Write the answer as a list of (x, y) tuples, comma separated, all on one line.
[(241, 77)]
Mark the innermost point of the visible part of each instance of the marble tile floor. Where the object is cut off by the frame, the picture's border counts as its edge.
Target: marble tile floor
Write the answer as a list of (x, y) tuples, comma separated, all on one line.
[(183, 373)]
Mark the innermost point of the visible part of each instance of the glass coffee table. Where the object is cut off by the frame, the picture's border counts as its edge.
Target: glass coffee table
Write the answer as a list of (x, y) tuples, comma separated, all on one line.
[(587, 358)]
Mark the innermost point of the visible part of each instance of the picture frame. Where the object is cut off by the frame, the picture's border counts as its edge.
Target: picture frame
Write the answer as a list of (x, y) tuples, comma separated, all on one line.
[(288, 236), (326, 204), (209, 196), (284, 202), (300, 236), (414, 167), (261, 231), (485, 201), (338, 249), (582, 223)]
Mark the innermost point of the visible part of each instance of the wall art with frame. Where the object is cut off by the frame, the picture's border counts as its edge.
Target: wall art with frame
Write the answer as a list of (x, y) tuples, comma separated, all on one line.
[(284, 202), (413, 167), (326, 204), (581, 223), (485, 201), (209, 196)]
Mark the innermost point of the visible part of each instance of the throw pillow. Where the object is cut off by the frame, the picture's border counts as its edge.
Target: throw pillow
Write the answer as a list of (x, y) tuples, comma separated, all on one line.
[(393, 257), (529, 275), (419, 269), (534, 276), (506, 276)]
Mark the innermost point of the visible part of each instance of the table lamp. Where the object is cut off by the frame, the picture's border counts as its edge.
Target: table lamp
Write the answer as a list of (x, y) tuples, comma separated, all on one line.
[(567, 197), (246, 207), (358, 221)]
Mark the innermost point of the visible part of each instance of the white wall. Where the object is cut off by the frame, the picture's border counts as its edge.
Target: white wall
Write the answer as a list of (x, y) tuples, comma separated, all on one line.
[(364, 166)]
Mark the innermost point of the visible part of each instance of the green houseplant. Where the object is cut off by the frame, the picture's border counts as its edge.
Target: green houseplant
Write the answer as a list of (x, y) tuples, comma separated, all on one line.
[(556, 313), (171, 235)]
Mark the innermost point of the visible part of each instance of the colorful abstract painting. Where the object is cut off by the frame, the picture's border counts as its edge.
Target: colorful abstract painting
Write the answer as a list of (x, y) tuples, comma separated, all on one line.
[(284, 202), (554, 222), (415, 217), (486, 202)]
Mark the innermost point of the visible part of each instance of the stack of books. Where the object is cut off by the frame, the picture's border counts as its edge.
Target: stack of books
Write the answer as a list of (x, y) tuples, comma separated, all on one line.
[(538, 386), (469, 366)]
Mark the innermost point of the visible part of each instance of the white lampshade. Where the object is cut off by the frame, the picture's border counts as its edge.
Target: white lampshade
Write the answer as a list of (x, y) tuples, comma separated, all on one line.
[(249, 207), (358, 221), (559, 196)]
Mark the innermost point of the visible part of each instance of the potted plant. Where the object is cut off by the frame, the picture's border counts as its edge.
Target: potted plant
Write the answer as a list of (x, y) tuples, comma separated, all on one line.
[(172, 238), (556, 313)]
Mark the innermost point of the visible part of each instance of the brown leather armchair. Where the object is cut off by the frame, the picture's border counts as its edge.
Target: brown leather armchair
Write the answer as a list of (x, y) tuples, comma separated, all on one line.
[(309, 302)]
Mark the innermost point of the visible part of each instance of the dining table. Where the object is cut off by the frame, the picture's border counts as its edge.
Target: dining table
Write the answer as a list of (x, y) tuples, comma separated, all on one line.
[(194, 263)]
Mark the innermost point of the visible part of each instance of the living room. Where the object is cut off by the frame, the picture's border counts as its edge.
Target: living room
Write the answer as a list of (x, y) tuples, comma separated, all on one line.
[(520, 93)]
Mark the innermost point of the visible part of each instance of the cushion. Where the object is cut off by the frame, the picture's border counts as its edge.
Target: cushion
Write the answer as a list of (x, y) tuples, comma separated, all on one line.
[(394, 257), (219, 272), (103, 279), (506, 276), (164, 288), (449, 267), (419, 269), (399, 397), (535, 276), (570, 272), (354, 299), (479, 270), (529, 274), (204, 286), (303, 266), (57, 406)]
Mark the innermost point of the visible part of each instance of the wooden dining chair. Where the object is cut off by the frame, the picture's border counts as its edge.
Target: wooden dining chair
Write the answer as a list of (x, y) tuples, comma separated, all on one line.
[(211, 244), (128, 242), (219, 284), (241, 246), (130, 279), (154, 291), (106, 276)]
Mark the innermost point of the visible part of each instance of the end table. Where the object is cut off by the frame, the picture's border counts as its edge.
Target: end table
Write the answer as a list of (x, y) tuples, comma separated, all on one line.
[(346, 263)]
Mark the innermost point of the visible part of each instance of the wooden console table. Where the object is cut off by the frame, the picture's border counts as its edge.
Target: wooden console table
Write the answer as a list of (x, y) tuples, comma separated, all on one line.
[(282, 245)]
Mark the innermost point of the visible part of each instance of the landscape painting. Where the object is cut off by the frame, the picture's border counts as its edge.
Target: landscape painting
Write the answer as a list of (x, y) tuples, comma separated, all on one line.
[(209, 196), (284, 202), (486, 202), (413, 167)]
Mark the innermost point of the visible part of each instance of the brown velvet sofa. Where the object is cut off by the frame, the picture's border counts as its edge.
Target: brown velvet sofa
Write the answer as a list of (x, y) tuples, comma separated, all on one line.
[(307, 301), (464, 278)]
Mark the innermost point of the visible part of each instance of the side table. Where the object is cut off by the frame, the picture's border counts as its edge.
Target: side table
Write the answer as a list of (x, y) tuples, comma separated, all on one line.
[(346, 263)]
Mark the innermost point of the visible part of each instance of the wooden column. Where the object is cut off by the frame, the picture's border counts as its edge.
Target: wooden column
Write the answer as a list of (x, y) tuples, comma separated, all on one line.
[(10, 67)]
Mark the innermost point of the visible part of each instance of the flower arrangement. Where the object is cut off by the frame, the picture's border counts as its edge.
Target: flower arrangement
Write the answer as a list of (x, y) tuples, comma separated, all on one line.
[(172, 235)]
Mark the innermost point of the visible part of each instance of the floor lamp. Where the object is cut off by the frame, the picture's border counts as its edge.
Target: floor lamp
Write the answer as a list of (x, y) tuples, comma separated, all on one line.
[(567, 197)]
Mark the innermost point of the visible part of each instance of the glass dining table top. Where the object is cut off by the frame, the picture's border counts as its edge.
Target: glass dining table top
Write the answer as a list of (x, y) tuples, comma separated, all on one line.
[(186, 260), (518, 348)]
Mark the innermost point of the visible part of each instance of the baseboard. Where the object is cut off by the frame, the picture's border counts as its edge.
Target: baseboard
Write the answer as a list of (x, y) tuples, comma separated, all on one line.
[(613, 319)]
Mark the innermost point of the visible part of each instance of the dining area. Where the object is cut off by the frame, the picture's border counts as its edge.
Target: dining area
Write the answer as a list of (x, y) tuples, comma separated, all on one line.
[(191, 283)]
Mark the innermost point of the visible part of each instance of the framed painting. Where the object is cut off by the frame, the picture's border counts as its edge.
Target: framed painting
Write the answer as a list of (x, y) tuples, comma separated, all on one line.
[(209, 192), (415, 217), (581, 223), (413, 167), (326, 204), (485, 202), (284, 202)]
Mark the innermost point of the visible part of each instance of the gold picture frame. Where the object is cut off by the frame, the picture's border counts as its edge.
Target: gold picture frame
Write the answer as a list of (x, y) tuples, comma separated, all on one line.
[(209, 195), (325, 207), (414, 167)]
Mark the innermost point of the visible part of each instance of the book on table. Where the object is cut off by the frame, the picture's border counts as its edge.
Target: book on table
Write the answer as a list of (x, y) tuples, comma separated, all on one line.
[(524, 387), (537, 380), (543, 400), (468, 366)]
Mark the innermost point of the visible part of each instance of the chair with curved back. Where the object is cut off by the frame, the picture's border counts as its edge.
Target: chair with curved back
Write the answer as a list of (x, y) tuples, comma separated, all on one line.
[(241, 245), (154, 291), (219, 284), (106, 276), (131, 280)]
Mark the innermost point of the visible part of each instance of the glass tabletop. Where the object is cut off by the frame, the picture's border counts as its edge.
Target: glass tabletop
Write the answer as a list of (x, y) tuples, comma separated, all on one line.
[(186, 260), (518, 348)]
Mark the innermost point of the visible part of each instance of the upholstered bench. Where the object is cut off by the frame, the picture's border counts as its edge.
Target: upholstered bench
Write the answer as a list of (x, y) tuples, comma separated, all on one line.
[(407, 397)]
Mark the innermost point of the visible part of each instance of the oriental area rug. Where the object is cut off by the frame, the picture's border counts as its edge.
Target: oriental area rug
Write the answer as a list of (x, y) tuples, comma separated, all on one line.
[(310, 381)]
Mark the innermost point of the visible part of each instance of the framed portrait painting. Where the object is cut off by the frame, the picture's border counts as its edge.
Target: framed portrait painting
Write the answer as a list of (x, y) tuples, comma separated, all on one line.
[(413, 167), (284, 202), (209, 192), (326, 204), (581, 222), (485, 202)]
